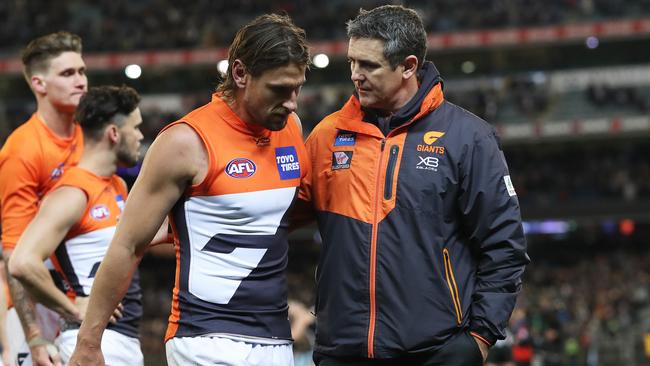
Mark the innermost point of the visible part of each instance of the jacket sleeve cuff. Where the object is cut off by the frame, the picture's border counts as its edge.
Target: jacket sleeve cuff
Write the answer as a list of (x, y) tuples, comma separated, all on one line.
[(483, 336)]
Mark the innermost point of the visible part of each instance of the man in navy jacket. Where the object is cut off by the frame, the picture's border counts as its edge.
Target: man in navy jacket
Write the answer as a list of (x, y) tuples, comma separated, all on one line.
[(423, 247)]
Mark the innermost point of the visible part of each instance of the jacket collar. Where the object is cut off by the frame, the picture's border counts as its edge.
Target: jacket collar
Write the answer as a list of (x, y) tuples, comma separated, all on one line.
[(428, 97)]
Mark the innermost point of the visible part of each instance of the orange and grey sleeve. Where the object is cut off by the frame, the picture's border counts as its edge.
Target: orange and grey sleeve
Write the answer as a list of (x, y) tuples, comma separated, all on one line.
[(18, 198)]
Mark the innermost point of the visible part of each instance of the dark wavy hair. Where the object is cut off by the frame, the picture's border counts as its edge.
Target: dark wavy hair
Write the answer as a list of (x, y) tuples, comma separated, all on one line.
[(102, 105)]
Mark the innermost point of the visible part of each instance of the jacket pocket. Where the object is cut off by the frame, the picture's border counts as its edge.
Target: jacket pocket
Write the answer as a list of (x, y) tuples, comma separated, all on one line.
[(451, 284)]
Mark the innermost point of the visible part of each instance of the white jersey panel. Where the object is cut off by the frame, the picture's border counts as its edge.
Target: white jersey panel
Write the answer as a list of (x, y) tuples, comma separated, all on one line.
[(86, 251), (213, 276), (249, 213)]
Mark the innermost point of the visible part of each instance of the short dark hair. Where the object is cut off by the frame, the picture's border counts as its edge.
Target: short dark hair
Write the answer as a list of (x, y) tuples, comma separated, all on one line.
[(399, 27), (101, 105), (267, 42), (38, 53)]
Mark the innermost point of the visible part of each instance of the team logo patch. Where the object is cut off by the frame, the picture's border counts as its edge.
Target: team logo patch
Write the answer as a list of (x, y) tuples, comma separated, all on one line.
[(57, 172), (431, 137), (428, 163), (345, 138), (341, 160), (287, 160), (100, 212), (240, 168), (119, 199)]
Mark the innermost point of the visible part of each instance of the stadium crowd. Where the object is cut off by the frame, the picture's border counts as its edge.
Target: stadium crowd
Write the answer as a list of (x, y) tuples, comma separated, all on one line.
[(550, 174), (166, 24), (586, 307)]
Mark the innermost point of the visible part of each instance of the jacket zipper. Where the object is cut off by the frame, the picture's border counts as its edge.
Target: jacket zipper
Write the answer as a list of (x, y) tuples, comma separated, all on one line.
[(373, 257), (453, 288), (392, 159)]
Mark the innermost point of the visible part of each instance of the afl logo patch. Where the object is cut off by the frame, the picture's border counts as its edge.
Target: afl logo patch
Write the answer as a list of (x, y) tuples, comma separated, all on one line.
[(240, 168), (100, 212)]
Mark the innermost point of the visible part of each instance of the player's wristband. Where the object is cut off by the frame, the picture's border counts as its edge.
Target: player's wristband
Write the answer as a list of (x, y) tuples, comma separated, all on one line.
[(40, 341)]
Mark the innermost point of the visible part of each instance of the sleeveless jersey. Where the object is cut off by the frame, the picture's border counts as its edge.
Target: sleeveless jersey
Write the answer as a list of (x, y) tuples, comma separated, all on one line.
[(231, 229), (78, 257), (31, 161)]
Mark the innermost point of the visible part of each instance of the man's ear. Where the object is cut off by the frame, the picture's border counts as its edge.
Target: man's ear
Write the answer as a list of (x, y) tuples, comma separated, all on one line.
[(112, 133), (410, 64), (37, 82), (239, 73)]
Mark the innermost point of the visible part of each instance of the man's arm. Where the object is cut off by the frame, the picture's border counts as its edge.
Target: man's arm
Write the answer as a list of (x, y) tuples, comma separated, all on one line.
[(18, 202), (4, 340), (162, 235), (41, 238), (26, 309), (172, 163), (492, 221)]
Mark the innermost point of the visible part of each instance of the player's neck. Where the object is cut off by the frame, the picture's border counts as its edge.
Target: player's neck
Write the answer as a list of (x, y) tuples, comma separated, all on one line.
[(59, 122), (243, 114), (98, 159)]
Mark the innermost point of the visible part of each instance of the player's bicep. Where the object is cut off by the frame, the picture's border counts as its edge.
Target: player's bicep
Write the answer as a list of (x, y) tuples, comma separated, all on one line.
[(59, 211), (168, 169)]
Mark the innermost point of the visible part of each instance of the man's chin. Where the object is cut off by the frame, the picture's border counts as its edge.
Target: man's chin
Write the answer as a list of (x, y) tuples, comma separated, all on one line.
[(276, 124), (277, 127), (366, 101)]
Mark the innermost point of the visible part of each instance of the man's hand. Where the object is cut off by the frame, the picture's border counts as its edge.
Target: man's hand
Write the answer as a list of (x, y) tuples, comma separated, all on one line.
[(44, 353), (86, 354), (82, 306), (482, 347)]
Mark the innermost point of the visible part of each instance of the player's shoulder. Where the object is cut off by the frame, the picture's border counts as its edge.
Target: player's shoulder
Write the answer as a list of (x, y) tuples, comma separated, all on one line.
[(179, 135), (24, 143), (200, 111), (74, 175), (22, 138), (179, 148)]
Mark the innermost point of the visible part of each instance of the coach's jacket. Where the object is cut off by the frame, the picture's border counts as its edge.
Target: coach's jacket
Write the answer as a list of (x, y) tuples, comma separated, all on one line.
[(422, 234)]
